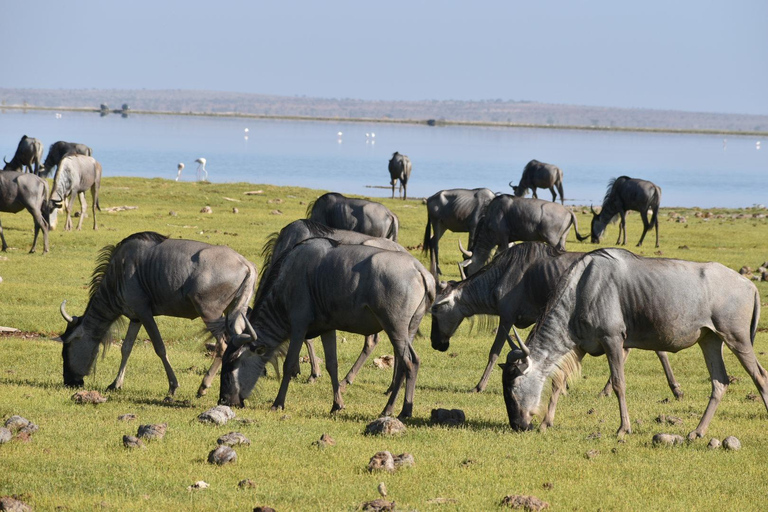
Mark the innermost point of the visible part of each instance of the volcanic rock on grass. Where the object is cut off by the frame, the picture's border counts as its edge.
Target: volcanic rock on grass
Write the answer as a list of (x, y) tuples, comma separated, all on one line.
[(714, 444), (13, 504), (88, 397), (667, 440), (246, 483), (404, 460), (219, 415), (5, 435), (15, 423), (233, 439), (731, 443), (451, 417), (324, 441), (263, 509), (222, 455), (386, 425), (133, 442), (378, 505), (382, 461), (383, 362), (127, 417), (529, 503), (28, 429), (668, 420), (152, 432), (200, 484)]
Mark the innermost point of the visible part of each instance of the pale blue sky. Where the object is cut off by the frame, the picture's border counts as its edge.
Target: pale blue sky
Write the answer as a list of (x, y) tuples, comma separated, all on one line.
[(699, 55)]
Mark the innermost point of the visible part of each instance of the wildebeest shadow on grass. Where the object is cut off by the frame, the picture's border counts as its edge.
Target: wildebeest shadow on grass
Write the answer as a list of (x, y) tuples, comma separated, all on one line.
[(161, 402), (31, 383), (419, 421)]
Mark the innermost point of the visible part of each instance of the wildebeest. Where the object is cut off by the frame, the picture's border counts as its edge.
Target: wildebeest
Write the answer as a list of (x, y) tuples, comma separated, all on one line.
[(19, 191), (303, 229), (515, 286), (148, 275), (540, 175), (457, 210), (612, 299), (320, 286), (399, 169), (361, 215), (29, 155), (510, 219), (59, 150), (76, 174), (626, 194)]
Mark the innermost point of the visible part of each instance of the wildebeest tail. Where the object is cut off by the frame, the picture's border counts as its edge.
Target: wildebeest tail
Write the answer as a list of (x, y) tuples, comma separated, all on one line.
[(755, 317), (45, 208), (426, 246), (394, 229), (579, 237), (430, 292)]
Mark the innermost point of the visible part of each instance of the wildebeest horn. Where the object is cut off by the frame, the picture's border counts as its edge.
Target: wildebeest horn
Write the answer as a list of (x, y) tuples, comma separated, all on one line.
[(465, 252), (592, 210), (5, 161), (461, 268), (523, 346), (63, 310), (511, 184), (250, 328)]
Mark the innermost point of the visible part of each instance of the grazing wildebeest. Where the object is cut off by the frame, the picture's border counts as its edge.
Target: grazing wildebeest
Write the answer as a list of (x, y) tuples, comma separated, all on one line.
[(515, 286), (361, 215), (320, 286), (612, 299), (76, 174), (625, 194), (19, 191), (540, 175), (510, 219), (148, 275), (59, 150), (29, 155), (303, 229), (457, 210), (399, 169)]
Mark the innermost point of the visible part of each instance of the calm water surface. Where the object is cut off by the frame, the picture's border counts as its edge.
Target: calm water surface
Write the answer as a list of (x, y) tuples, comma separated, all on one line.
[(692, 170)]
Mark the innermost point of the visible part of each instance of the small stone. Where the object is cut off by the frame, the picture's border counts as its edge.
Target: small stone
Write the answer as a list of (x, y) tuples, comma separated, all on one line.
[(276, 201), (5, 435), (13, 504), (386, 425), (219, 415), (15, 423), (275, 212), (714, 444), (382, 461), (206, 209), (752, 397), (88, 397), (667, 440), (668, 420), (133, 442), (745, 270), (683, 247), (246, 484), (234, 439), (222, 455), (383, 362), (127, 417), (452, 417), (382, 488), (378, 505), (172, 213), (548, 485), (152, 432), (731, 443), (404, 460), (263, 508), (235, 210), (528, 503), (591, 454), (324, 441), (594, 435), (198, 485)]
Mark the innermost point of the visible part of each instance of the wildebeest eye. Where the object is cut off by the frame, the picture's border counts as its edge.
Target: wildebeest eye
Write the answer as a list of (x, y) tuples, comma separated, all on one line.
[(259, 349)]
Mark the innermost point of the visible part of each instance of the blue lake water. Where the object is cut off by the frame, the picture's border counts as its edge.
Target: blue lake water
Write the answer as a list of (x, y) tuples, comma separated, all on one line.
[(692, 170)]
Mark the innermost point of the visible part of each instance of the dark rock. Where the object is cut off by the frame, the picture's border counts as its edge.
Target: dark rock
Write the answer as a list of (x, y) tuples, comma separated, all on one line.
[(152, 432), (667, 440), (452, 417), (222, 455), (529, 503), (88, 397), (219, 415), (378, 505), (731, 443), (5, 435), (668, 420), (404, 460), (246, 484), (127, 417), (15, 423), (324, 441), (386, 425), (29, 429), (382, 461), (233, 439), (263, 509), (133, 442)]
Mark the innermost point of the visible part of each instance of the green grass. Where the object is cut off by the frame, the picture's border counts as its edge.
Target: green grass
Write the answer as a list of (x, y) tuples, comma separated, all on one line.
[(76, 460)]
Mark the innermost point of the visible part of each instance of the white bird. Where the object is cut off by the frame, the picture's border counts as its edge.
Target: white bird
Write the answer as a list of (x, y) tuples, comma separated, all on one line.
[(180, 167), (339, 134), (247, 130), (202, 174), (373, 135)]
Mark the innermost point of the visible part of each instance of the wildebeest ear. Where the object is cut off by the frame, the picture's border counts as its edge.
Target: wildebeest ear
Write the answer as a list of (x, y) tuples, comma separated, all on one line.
[(58, 339), (236, 354), (503, 366), (441, 286)]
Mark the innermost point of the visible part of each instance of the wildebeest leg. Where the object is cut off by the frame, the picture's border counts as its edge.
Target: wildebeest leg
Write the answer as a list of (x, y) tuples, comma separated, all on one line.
[(712, 347), (608, 386), (559, 385), (2, 237), (410, 370), (125, 351), (655, 222), (746, 355), (369, 344), (560, 189), (332, 367), (397, 378), (157, 343), (40, 224), (218, 353), (622, 228), (614, 351), (68, 203), (554, 194), (533, 192), (404, 186), (498, 343), (394, 182), (95, 200), (673, 384), (291, 357), (83, 207), (435, 243), (313, 362), (646, 226)]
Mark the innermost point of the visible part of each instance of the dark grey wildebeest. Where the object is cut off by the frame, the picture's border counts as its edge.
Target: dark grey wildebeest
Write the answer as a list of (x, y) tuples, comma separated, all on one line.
[(612, 299), (515, 286), (148, 275), (361, 215), (303, 229), (19, 191), (540, 175), (29, 156), (626, 194), (76, 174), (510, 219), (456, 210), (320, 286), (399, 169), (59, 150)]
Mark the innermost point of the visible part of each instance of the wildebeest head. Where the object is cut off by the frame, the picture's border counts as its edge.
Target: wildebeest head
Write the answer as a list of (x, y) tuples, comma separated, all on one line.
[(78, 350), (520, 392), (598, 226), (518, 191), (446, 316), (242, 365)]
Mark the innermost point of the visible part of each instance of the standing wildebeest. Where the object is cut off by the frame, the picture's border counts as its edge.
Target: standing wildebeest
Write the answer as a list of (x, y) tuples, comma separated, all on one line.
[(361, 215), (399, 169), (627, 194), (515, 286), (29, 154), (457, 210), (303, 229), (612, 299), (540, 175), (148, 275), (318, 287), (76, 174), (510, 219), (19, 191), (59, 150)]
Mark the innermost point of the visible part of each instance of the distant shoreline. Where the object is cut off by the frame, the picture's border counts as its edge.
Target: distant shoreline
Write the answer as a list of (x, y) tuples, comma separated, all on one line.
[(428, 122)]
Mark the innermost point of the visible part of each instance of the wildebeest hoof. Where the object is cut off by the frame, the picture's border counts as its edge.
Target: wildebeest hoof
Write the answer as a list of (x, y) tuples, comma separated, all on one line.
[(202, 392), (695, 435), (679, 395), (168, 399), (278, 408)]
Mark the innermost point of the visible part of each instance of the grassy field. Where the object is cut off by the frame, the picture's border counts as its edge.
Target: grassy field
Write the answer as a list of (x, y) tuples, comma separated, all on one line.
[(76, 460)]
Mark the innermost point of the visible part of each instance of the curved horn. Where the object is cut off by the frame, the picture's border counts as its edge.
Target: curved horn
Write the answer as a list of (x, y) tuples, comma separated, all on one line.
[(461, 268), (5, 161), (465, 252), (592, 210), (511, 184), (63, 310), (250, 328), (523, 346)]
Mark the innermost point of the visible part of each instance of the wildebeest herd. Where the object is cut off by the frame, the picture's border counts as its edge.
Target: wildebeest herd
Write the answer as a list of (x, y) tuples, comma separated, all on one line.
[(342, 269)]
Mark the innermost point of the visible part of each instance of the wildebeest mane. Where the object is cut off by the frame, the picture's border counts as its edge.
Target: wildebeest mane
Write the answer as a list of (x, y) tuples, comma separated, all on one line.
[(316, 230), (310, 206), (609, 190)]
